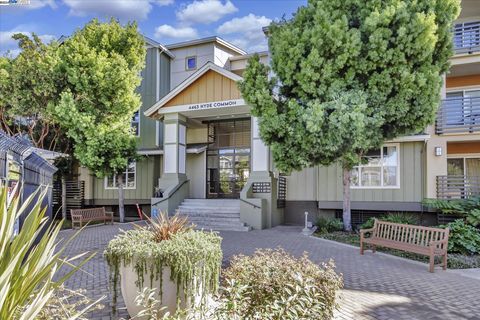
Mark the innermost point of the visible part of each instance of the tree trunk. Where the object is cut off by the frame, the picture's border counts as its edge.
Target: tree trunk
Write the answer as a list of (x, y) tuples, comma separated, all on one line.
[(347, 214), (121, 198), (64, 198)]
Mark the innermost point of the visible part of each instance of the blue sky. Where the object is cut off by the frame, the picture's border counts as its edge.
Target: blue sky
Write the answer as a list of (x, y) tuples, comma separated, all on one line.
[(167, 21)]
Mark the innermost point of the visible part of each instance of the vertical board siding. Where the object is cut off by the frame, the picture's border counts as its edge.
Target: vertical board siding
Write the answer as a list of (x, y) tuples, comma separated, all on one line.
[(411, 175), (148, 172), (325, 183), (211, 86), (301, 185), (148, 93)]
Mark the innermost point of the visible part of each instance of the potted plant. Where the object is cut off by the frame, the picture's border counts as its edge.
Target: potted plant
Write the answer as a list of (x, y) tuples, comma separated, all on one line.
[(182, 266)]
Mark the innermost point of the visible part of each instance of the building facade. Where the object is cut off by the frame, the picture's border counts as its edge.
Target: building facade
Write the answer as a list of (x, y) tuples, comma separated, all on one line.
[(201, 142)]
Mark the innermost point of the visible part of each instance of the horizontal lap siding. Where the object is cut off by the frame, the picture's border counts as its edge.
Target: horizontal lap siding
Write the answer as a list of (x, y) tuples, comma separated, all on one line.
[(325, 183), (148, 172)]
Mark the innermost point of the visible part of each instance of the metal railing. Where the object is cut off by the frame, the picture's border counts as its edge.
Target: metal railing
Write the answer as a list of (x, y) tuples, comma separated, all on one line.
[(457, 187), (458, 115), (466, 37)]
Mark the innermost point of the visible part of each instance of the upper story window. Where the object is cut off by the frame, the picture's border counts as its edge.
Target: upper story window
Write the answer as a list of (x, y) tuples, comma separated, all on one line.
[(191, 63), (381, 169), (136, 123), (129, 178), (466, 37)]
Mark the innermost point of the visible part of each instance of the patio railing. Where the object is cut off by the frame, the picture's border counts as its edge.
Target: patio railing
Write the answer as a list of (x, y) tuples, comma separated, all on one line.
[(466, 37), (458, 115), (457, 187)]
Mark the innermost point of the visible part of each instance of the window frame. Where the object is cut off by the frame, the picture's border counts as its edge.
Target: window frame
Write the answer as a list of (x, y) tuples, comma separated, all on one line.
[(186, 63), (137, 122), (126, 172), (397, 186)]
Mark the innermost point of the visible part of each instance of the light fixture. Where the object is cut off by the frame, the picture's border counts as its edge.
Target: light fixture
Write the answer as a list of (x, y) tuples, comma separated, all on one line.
[(438, 151)]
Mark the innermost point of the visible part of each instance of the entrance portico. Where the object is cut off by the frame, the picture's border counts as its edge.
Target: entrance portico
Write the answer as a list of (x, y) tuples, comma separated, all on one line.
[(212, 148)]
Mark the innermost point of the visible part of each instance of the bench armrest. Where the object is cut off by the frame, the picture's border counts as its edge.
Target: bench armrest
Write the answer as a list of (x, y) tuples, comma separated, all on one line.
[(110, 213), (76, 217)]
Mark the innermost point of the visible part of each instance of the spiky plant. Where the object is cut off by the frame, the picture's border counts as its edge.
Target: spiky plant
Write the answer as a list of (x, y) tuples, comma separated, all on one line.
[(163, 226), (30, 259)]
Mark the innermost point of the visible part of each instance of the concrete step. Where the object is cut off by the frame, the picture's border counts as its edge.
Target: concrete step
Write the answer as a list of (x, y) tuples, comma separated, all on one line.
[(208, 209), (195, 213), (221, 228), (210, 220), (213, 214)]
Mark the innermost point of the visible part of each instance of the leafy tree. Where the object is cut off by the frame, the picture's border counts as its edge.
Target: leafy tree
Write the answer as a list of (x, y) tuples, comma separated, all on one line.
[(349, 75), (27, 87), (102, 63)]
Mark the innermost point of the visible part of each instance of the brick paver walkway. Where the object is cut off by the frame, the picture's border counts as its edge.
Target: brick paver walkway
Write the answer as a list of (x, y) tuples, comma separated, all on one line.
[(377, 286)]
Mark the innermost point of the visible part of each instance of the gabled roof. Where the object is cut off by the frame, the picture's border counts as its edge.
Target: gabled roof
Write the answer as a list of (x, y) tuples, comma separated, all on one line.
[(215, 39), (187, 82)]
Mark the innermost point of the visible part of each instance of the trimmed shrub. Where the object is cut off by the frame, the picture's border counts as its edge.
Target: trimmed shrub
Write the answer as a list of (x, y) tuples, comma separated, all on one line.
[(403, 218), (326, 225), (272, 284)]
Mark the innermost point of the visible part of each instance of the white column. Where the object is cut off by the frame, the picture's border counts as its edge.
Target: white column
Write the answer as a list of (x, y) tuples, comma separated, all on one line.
[(260, 152), (174, 146)]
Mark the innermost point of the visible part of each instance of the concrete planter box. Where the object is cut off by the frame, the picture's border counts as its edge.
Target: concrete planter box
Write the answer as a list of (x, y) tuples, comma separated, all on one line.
[(168, 300)]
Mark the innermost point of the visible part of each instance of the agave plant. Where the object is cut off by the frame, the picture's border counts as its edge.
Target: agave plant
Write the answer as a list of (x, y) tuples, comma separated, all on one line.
[(163, 226), (29, 259)]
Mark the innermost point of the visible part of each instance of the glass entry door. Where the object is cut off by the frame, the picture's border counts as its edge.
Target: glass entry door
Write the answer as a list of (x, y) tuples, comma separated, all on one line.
[(228, 158)]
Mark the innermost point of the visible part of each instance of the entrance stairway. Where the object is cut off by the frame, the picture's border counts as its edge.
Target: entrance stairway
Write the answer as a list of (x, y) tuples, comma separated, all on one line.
[(213, 214)]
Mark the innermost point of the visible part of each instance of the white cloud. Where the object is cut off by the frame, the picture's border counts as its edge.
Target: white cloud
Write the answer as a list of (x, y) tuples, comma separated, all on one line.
[(122, 9), (32, 5), (205, 11), (246, 32), (37, 4), (168, 31), (11, 45)]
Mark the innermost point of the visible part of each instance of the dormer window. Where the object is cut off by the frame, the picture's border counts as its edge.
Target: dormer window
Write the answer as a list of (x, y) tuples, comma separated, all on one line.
[(191, 63)]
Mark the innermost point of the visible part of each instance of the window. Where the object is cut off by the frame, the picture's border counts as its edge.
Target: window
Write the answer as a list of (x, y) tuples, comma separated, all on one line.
[(191, 63), (129, 178), (379, 170), (136, 123)]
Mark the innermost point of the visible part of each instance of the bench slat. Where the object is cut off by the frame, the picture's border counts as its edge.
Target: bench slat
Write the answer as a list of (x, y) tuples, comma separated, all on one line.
[(411, 238)]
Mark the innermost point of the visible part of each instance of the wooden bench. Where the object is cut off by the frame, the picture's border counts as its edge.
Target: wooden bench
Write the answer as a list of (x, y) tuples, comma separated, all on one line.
[(417, 239), (79, 216)]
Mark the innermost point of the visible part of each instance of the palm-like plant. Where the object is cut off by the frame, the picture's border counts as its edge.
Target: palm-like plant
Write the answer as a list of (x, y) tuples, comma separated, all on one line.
[(163, 226), (30, 259)]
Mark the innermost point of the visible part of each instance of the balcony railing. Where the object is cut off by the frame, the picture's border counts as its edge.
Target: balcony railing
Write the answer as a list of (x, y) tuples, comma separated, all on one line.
[(457, 187), (458, 115), (466, 37)]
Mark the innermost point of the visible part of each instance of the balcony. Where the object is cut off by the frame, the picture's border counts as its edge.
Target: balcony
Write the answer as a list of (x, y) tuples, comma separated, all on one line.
[(457, 187), (466, 37), (458, 115)]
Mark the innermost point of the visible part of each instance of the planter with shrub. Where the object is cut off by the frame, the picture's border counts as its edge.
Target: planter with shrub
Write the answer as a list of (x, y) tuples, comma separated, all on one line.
[(180, 265)]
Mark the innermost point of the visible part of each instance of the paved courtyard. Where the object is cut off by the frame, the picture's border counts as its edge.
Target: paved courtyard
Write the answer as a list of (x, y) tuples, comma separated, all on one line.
[(377, 286)]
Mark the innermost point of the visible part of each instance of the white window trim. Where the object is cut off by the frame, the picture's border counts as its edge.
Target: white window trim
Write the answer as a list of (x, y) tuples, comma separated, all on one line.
[(398, 186), (186, 63), (464, 157), (125, 187)]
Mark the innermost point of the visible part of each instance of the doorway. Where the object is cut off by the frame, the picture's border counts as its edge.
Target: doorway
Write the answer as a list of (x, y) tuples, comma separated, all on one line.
[(228, 157)]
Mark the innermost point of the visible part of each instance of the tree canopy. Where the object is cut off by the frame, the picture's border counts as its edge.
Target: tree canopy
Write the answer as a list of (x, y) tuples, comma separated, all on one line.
[(349, 74), (102, 64), (28, 85)]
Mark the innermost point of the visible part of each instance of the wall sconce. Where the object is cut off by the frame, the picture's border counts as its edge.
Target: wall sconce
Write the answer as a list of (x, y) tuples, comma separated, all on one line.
[(438, 151)]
